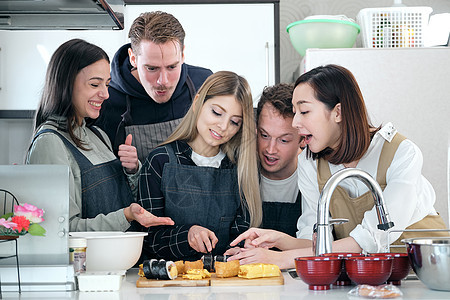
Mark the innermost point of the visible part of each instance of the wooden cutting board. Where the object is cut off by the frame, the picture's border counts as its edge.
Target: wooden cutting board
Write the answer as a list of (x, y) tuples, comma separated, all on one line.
[(143, 282), (238, 281)]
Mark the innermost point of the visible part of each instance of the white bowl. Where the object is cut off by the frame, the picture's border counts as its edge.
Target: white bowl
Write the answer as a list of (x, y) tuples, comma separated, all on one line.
[(322, 33), (111, 250)]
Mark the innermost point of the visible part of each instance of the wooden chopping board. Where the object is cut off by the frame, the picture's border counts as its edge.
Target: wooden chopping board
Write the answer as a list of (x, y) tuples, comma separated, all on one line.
[(143, 282), (238, 281)]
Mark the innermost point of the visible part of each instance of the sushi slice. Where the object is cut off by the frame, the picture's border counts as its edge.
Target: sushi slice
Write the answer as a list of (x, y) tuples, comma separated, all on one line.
[(159, 269), (208, 262), (221, 258), (167, 270)]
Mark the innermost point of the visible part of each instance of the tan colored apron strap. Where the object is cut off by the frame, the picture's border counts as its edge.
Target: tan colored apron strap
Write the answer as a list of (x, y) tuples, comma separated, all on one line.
[(323, 173), (429, 222), (386, 157)]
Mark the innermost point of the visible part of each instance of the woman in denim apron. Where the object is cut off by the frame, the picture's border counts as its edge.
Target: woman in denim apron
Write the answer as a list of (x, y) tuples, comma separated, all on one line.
[(100, 185), (204, 176), (330, 112)]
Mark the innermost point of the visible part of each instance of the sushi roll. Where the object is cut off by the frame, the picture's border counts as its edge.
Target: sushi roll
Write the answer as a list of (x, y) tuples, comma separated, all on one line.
[(221, 258), (159, 269), (167, 270), (208, 262), (147, 267)]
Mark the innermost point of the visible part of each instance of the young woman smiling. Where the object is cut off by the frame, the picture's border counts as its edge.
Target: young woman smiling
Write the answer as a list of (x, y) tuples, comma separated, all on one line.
[(204, 176), (100, 197)]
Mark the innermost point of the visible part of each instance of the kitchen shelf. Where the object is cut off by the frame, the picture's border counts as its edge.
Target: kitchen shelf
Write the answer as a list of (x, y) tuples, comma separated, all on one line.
[(17, 114)]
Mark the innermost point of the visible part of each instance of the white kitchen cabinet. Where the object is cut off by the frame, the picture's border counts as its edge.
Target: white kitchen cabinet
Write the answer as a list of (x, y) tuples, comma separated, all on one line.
[(234, 37), (24, 56), (410, 88)]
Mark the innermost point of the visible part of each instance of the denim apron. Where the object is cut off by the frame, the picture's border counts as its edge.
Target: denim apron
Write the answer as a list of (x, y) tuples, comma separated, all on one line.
[(203, 196), (147, 136), (104, 187), (282, 216)]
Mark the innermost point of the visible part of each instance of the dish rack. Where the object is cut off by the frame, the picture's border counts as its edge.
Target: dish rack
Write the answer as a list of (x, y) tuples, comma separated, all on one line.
[(393, 27)]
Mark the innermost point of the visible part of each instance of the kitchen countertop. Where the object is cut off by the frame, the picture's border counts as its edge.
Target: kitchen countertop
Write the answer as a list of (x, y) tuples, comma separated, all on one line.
[(292, 289)]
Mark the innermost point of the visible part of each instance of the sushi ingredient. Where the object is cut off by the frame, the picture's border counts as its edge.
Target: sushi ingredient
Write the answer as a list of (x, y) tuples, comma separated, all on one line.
[(227, 269), (258, 270), (188, 265), (197, 274)]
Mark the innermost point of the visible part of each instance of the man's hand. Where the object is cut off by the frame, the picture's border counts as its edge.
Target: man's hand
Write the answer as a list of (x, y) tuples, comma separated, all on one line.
[(128, 156)]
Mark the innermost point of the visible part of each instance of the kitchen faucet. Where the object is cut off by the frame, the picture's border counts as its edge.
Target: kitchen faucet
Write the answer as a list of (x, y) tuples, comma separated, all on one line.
[(323, 240)]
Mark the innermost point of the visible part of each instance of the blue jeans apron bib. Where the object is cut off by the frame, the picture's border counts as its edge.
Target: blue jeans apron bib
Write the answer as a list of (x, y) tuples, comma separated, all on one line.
[(282, 216), (203, 196), (104, 186)]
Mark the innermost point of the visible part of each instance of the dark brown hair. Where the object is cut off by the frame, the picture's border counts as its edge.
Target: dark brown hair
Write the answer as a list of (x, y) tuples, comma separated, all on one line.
[(335, 84), (65, 64), (157, 27), (280, 97)]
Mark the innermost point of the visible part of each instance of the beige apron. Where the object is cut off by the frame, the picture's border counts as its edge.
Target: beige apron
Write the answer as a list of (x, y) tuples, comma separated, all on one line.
[(344, 206)]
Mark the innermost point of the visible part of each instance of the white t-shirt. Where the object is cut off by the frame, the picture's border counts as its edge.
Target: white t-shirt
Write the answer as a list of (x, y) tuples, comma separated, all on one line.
[(408, 195), (204, 161), (285, 190)]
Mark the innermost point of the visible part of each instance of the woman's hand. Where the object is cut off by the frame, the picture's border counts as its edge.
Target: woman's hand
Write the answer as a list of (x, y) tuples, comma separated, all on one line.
[(257, 237), (128, 156), (259, 255), (202, 239), (233, 251), (135, 212)]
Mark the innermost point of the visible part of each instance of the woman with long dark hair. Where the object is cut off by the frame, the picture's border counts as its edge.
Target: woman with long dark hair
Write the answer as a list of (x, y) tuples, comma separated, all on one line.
[(331, 114), (100, 185)]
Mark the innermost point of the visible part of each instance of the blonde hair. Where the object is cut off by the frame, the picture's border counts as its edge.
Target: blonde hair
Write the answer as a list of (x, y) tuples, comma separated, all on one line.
[(241, 148)]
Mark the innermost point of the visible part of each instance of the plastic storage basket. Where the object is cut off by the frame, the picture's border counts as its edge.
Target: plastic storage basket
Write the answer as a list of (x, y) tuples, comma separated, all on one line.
[(393, 26)]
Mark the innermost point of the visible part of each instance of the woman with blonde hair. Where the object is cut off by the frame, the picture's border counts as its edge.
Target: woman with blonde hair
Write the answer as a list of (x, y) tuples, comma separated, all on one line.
[(204, 176)]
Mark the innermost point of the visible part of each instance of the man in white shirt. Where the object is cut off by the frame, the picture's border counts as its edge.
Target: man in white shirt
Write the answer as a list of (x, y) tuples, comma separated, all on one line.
[(278, 147)]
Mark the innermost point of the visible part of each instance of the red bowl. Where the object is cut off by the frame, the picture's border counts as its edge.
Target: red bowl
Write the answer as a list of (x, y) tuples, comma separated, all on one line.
[(343, 277), (369, 270), (400, 266), (319, 272)]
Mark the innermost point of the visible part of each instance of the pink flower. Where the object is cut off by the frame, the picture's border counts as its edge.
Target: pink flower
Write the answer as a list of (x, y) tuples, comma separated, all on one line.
[(7, 224), (22, 223), (30, 212)]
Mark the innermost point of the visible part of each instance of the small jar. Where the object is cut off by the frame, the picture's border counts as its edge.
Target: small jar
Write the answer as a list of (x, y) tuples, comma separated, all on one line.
[(77, 254)]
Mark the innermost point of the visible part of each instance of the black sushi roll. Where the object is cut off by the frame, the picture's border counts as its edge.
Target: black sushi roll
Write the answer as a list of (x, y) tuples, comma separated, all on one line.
[(149, 268), (159, 269), (208, 262), (221, 258), (163, 272)]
